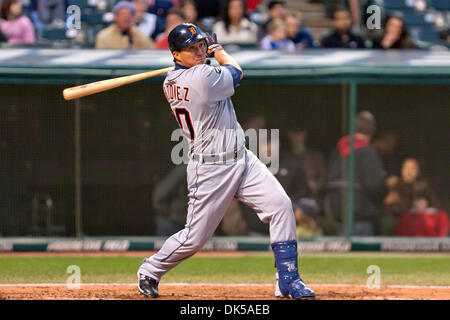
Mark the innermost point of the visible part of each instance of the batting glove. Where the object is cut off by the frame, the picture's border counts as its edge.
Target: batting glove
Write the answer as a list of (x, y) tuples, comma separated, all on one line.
[(213, 45)]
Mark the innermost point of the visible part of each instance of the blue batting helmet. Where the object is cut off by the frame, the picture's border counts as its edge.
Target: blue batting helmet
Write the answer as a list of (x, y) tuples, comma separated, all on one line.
[(184, 35)]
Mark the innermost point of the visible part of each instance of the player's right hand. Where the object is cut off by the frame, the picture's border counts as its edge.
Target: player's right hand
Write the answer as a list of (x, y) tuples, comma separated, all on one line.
[(213, 45)]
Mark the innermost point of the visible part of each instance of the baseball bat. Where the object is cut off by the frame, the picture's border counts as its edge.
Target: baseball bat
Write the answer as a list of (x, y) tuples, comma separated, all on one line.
[(100, 86)]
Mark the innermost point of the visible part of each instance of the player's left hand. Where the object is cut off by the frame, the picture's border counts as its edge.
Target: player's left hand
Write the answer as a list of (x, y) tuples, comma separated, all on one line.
[(213, 45)]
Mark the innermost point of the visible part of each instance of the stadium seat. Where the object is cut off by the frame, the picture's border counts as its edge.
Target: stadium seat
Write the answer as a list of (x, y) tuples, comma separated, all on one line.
[(103, 18), (424, 33), (395, 4), (414, 19), (83, 3), (441, 5), (54, 34)]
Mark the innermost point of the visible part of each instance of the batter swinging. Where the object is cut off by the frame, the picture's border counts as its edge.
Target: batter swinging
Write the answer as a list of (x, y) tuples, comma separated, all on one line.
[(220, 167)]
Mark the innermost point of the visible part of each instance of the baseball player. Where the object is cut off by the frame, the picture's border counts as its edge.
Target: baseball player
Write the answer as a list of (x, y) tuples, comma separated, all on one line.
[(220, 167)]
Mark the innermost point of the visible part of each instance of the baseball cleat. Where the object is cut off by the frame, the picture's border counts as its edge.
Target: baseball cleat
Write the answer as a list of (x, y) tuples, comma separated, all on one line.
[(297, 290), (147, 286)]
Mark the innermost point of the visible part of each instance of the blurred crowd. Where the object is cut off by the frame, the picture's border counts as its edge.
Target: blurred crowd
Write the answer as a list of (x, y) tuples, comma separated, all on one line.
[(145, 24), (388, 200)]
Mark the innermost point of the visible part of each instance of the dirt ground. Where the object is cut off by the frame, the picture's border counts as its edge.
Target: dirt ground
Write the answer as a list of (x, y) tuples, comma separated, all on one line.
[(216, 292)]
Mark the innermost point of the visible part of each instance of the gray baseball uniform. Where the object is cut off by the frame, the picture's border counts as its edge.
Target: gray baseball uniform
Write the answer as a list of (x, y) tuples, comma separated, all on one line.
[(220, 167)]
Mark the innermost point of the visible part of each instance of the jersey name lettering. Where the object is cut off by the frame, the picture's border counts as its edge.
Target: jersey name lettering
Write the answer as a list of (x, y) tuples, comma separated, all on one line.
[(174, 92)]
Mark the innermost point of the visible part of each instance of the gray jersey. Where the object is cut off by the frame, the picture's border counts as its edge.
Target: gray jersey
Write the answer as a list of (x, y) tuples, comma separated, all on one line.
[(200, 99)]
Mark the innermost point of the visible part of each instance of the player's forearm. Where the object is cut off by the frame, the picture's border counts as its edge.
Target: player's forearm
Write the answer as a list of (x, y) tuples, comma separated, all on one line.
[(224, 58)]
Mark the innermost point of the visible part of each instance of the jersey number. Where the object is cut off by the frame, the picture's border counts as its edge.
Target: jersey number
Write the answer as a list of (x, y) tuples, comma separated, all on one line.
[(183, 112)]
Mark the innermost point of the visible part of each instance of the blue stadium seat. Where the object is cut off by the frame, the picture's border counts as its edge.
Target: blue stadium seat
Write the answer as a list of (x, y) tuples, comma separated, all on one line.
[(441, 5), (414, 19), (83, 3), (54, 34), (97, 18), (424, 33), (394, 4)]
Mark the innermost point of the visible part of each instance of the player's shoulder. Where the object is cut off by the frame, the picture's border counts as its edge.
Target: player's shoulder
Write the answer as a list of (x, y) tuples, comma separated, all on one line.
[(206, 69), (199, 72), (176, 74)]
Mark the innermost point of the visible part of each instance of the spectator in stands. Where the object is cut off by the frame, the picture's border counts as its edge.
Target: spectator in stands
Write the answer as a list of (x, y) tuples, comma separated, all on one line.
[(146, 22), (422, 220), (190, 12), (277, 38), (386, 144), (395, 36), (402, 191), (342, 36), (234, 26), (276, 10), (297, 33), (369, 178), (48, 13), (159, 7), (170, 202), (174, 17), (15, 26), (306, 217), (291, 172), (122, 34), (312, 161)]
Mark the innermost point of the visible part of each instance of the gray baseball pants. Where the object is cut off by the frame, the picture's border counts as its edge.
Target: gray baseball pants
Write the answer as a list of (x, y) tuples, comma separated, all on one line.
[(211, 189)]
